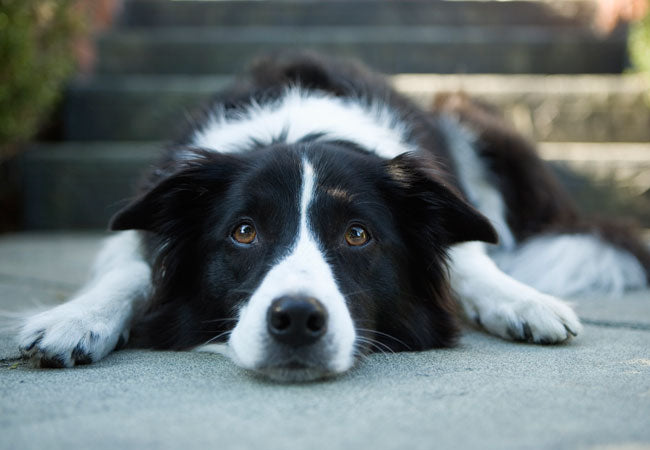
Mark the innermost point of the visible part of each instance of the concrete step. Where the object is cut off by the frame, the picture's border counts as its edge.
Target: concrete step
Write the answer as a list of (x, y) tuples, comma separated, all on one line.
[(156, 13), (134, 107), (605, 179), (578, 108), (601, 108), (390, 49), (81, 184)]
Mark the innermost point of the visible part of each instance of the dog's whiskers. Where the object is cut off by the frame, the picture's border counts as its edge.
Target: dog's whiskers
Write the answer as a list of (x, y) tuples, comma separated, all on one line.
[(374, 344), (385, 335), (228, 319), (220, 335), (243, 291), (360, 291), (358, 354)]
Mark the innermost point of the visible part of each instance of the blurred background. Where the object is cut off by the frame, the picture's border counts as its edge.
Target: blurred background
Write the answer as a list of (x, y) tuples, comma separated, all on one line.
[(90, 88)]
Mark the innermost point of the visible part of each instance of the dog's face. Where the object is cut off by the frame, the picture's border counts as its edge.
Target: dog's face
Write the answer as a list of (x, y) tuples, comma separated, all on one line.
[(302, 257)]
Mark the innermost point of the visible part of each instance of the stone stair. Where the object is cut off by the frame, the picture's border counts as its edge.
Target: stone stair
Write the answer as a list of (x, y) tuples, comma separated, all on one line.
[(165, 14), (548, 108), (163, 58), (390, 48), (422, 36)]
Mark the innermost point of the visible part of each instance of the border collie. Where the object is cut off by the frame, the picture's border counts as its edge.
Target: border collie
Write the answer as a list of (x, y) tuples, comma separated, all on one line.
[(313, 215)]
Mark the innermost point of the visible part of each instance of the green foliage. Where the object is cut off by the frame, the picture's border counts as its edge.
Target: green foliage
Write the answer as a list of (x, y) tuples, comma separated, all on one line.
[(639, 44), (36, 56)]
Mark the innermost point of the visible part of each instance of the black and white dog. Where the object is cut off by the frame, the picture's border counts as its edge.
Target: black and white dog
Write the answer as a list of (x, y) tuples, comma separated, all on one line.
[(314, 215)]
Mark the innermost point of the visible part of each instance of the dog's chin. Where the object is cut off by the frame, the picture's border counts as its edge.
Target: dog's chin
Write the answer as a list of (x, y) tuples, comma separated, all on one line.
[(294, 373), (285, 368)]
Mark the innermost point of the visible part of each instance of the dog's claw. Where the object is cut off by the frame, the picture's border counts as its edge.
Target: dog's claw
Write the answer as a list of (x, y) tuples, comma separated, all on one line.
[(80, 356), (28, 350), (52, 362), (570, 331)]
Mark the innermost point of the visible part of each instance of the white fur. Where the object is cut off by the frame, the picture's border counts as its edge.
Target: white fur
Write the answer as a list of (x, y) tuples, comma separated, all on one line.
[(299, 113), (571, 264), (217, 348), (499, 303), (503, 305), (97, 316), (474, 180), (92, 322), (304, 271)]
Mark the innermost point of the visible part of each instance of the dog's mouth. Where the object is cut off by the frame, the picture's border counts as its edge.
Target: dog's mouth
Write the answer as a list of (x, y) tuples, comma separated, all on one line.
[(294, 370), (283, 366)]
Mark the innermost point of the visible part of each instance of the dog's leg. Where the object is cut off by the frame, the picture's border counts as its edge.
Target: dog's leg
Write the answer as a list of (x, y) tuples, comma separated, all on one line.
[(503, 305), (97, 319)]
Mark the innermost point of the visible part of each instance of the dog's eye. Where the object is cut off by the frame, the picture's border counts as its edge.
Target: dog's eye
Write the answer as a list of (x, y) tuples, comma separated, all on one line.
[(244, 233), (356, 235)]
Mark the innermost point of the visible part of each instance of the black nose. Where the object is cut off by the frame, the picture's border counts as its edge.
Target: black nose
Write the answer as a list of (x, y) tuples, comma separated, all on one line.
[(296, 321)]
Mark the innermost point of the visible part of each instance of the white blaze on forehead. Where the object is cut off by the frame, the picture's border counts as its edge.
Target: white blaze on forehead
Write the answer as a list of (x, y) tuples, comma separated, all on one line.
[(299, 113), (304, 271), (308, 181)]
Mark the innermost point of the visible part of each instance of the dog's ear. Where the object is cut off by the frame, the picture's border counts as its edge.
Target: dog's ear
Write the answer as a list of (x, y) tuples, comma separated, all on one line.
[(433, 207), (179, 200)]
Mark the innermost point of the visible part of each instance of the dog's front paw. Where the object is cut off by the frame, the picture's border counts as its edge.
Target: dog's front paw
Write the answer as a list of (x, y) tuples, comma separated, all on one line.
[(538, 318), (65, 336)]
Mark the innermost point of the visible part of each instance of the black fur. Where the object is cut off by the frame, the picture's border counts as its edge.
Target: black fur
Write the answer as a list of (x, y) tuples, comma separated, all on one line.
[(396, 288), (536, 202)]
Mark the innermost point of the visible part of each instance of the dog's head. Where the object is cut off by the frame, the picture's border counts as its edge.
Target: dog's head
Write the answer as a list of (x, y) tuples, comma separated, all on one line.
[(302, 257)]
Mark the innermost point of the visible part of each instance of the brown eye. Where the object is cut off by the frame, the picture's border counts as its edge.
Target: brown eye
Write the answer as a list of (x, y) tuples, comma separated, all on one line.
[(356, 235), (244, 233)]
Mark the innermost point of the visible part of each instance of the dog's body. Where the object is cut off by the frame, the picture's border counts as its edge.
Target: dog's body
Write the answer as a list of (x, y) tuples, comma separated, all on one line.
[(314, 215)]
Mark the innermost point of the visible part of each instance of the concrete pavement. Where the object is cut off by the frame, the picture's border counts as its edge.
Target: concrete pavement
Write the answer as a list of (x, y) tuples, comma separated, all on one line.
[(593, 393)]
